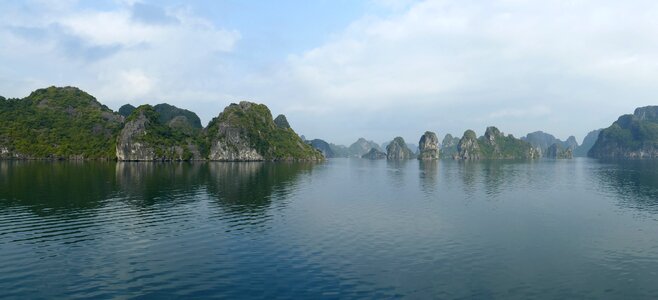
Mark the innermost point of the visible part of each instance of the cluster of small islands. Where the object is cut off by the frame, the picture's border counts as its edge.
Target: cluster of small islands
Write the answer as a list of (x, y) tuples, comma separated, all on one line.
[(66, 123)]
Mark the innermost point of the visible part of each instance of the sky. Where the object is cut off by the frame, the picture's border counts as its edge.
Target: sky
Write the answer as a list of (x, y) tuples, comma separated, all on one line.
[(339, 69)]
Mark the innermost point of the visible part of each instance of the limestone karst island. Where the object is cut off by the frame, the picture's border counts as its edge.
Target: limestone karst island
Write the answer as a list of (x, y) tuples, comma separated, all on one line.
[(329, 150), (66, 123)]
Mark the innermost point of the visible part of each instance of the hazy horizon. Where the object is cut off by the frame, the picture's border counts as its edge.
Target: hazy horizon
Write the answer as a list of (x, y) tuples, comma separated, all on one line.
[(340, 70)]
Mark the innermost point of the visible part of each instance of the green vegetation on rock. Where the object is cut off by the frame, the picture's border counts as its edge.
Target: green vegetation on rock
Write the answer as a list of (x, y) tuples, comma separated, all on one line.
[(428, 146), (631, 136), (398, 150), (449, 146), (494, 145), (248, 128), (58, 123), (148, 136), (169, 113), (67, 123), (281, 121), (126, 110)]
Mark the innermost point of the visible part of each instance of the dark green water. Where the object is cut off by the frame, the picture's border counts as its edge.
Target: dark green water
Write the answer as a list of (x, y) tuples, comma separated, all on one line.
[(578, 229)]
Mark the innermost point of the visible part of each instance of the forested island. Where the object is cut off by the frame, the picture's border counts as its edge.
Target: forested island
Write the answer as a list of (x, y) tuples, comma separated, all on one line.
[(66, 123)]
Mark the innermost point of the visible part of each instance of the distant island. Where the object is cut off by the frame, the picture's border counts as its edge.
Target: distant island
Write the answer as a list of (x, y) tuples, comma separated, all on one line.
[(66, 123)]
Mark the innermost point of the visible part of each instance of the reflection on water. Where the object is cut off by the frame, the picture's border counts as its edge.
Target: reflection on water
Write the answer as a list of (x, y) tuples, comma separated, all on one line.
[(634, 181), (55, 187), (250, 187), (468, 172), (347, 228), (428, 172), (145, 184), (396, 172)]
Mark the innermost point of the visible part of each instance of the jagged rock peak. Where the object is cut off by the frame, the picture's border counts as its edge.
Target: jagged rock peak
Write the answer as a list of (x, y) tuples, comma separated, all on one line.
[(428, 146), (492, 133), (281, 121), (398, 150), (468, 147), (571, 142), (557, 151), (247, 132), (647, 113)]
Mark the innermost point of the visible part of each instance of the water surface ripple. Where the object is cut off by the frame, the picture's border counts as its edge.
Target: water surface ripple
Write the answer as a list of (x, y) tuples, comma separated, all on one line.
[(347, 228)]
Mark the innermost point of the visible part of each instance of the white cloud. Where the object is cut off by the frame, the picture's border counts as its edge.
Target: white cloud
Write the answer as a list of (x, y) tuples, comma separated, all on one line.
[(524, 64), (564, 67), (116, 55)]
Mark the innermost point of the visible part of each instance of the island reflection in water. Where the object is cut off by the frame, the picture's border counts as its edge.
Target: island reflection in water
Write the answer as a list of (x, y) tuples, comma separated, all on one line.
[(344, 228)]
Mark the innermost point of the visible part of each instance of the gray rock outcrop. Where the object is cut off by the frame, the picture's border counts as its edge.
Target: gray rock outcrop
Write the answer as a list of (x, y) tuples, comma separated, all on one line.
[(398, 150), (468, 147), (129, 148), (428, 146), (145, 138), (557, 151), (247, 132)]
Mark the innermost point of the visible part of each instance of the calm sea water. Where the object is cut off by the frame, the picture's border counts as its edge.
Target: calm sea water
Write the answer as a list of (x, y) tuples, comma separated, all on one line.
[(347, 228)]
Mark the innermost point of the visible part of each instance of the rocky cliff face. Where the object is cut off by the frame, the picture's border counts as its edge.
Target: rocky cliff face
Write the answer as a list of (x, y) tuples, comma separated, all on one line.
[(374, 154), (557, 151), (362, 146), (247, 132), (468, 147), (146, 138), (398, 150), (631, 136), (449, 146), (428, 146), (128, 147), (570, 143)]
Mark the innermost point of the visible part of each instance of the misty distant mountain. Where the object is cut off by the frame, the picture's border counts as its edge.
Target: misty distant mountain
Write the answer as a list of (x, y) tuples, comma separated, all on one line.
[(329, 150), (588, 142), (363, 146), (542, 141)]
